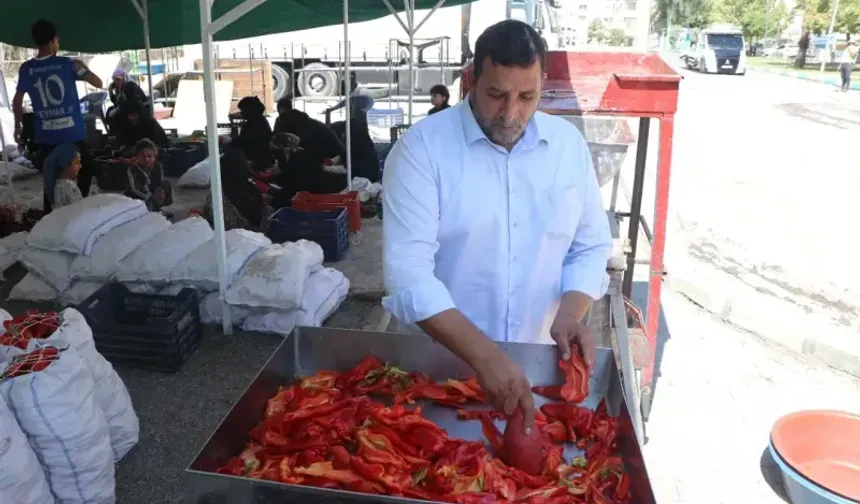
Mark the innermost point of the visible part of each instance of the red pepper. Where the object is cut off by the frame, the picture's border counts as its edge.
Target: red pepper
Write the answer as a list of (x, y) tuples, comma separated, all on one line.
[(575, 388), (549, 391)]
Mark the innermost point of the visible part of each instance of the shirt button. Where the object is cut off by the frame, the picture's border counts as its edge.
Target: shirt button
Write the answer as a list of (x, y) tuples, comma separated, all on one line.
[(515, 224)]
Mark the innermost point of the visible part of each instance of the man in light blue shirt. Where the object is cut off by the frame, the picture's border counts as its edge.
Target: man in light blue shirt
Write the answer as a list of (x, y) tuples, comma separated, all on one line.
[(494, 227)]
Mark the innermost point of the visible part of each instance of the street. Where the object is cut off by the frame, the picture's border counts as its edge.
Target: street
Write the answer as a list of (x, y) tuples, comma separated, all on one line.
[(762, 178)]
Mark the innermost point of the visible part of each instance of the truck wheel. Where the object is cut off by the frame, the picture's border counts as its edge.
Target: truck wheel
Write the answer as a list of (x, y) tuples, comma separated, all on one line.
[(281, 85), (318, 80), (703, 67)]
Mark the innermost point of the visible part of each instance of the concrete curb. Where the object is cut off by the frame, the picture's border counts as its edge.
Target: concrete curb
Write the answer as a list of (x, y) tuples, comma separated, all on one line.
[(812, 334), (827, 80)]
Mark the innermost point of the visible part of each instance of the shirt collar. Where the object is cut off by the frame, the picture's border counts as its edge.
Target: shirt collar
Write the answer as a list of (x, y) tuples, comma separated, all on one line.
[(474, 133)]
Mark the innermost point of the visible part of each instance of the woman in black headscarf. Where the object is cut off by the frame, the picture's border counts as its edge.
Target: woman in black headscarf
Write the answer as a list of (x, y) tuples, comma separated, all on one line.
[(255, 134), (244, 205)]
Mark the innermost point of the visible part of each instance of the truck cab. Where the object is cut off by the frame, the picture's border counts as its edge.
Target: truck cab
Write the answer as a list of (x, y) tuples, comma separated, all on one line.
[(718, 49)]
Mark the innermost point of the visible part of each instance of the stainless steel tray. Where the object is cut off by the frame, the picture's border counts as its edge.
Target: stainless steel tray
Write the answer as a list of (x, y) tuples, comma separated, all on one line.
[(310, 349)]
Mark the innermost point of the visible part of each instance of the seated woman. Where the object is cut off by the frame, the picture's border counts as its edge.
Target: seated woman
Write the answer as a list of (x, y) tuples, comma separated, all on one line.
[(138, 126), (299, 171), (122, 92), (254, 136), (245, 207), (61, 172), (318, 141), (146, 178), (439, 97)]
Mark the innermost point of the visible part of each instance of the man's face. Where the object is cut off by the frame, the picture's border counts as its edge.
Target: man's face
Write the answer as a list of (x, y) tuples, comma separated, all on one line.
[(55, 45), (437, 99), (504, 99)]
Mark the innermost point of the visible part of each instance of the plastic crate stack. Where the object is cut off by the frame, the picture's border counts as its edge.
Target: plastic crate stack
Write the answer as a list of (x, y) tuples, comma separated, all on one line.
[(385, 118), (322, 218), (146, 331)]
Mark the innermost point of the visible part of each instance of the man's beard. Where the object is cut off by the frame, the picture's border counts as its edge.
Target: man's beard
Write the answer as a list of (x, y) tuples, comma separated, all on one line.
[(499, 130)]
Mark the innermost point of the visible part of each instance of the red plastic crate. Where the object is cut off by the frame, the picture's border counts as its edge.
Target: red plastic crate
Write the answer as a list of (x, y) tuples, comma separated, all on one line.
[(304, 200)]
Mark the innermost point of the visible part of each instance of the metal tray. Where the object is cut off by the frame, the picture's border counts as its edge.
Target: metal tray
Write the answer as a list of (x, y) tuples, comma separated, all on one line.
[(308, 350)]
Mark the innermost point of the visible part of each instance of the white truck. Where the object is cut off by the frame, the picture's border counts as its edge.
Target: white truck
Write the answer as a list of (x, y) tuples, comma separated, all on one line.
[(718, 49), (307, 62)]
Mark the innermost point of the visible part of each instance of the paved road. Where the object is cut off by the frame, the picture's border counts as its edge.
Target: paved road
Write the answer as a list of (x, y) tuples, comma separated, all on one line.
[(720, 392), (763, 184), (761, 172)]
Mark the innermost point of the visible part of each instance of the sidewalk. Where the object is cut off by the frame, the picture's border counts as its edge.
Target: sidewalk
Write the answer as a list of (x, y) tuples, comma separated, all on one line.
[(828, 78), (752, 303)]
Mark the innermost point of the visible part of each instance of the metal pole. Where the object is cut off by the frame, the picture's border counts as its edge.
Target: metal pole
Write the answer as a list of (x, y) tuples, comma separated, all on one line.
[(214, 161), (829, 34), (348, 91), (409, 5), (148, 50)]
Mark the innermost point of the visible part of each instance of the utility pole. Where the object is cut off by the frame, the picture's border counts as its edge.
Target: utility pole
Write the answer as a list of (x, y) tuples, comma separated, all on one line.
[(829, 34)]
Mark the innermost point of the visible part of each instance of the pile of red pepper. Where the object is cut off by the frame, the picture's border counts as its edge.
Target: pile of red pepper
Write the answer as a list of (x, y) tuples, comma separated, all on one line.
[(32, 362), (325, 431), (34, 325)]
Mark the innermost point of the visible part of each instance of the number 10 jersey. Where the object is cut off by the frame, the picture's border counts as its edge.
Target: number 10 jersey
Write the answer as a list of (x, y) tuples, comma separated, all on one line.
[(51, 84)]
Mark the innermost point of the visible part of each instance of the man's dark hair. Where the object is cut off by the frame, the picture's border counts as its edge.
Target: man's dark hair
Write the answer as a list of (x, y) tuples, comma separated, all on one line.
[(440, 89), (43, 32), (507, 43), (285, 103)]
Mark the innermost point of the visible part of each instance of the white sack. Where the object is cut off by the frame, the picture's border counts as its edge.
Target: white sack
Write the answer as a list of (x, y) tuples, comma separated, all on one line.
[(325, 291), (116, 245), (10, 247), (154, 259), (79, 291), (275, 276), (57, 409), (33, 288), (22, 480), (11, 152), (210, 311), (141, 288), (17, 170), (53, 267), (13, 243), (111, 395), (75, 228), (196, 176), (4, 316), (200, 268)]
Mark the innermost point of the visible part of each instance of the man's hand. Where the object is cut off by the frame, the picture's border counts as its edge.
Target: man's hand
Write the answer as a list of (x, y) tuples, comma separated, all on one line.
[(566, 331), (506, 387)]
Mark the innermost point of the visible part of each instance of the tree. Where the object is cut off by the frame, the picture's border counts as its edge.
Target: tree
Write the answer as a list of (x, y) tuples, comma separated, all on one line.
[(618, 37), (686, 13), (817, 14), (597, 31), (752, 15)]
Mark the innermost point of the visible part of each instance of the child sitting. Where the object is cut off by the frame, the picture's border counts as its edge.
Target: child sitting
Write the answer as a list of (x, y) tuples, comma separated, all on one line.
[(61, 169), (146, 178)]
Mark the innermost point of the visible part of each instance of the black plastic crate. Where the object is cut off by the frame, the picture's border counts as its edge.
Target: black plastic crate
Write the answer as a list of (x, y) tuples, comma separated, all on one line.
[(149, 331), (328, 228)]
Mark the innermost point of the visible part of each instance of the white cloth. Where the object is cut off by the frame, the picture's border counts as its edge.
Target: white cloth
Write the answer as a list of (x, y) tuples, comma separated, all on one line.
[(530, 226)]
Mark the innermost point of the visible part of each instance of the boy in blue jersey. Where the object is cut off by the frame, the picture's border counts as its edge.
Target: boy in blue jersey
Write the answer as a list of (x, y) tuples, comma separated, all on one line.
[(50, 80)]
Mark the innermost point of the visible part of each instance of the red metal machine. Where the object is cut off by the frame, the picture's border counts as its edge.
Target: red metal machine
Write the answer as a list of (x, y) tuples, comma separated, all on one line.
[(624, 85)]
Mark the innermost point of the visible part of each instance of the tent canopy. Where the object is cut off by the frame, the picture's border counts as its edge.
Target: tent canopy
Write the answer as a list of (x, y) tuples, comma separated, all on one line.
[(98, 26)]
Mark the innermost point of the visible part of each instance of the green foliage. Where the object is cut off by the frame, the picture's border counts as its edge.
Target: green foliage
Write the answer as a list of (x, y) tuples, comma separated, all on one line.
[(597, 31), (618, 37), (817, 14), (753, 16), (686, 13)]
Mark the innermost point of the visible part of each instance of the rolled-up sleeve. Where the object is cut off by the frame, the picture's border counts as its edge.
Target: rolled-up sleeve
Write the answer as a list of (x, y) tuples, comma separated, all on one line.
[(410, 201), (584, 268)]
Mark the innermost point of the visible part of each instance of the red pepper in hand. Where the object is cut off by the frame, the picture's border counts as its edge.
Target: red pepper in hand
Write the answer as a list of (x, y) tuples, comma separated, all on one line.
[(575, 388)]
